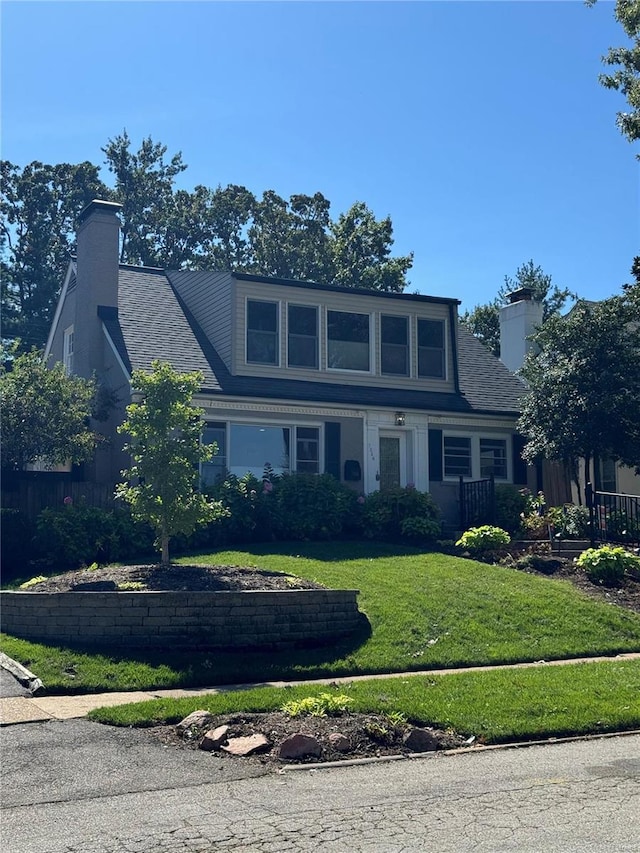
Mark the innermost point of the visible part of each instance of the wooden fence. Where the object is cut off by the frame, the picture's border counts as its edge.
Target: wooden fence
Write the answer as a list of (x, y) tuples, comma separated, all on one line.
[(31, 496)]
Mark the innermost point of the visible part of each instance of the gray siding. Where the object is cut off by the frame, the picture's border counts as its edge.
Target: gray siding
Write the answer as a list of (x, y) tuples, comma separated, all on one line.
[(208, 296)]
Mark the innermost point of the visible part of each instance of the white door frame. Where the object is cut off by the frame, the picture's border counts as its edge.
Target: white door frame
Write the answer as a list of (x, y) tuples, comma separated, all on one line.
[(401, 435)]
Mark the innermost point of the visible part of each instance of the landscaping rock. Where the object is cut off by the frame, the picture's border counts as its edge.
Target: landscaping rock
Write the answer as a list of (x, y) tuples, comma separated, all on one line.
[(299, 746), (214, 738), (339, 742), (246, 745), (200, 720), (420, 740)]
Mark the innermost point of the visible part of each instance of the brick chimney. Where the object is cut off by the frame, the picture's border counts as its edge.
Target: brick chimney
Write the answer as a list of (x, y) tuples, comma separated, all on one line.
[(518, 320), (98, 251)]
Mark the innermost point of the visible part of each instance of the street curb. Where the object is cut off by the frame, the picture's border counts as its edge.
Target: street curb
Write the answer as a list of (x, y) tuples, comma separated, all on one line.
[(22, 674), (464, 750)]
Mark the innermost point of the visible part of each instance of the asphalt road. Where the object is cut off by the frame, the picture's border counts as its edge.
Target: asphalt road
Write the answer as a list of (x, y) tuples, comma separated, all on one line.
[(81, 788)]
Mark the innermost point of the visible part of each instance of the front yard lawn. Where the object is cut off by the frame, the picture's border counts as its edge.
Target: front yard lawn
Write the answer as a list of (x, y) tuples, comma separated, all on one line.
[(426, 610)]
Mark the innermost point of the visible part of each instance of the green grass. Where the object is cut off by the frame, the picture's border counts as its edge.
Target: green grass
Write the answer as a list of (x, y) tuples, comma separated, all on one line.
[(496, 706), (426, 610)]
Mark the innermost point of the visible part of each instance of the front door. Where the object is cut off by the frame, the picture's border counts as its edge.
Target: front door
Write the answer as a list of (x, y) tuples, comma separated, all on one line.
[(392, 456)]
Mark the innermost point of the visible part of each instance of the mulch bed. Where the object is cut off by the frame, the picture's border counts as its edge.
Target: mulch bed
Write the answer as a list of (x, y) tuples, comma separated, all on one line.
[(369, 736), (154, 577)]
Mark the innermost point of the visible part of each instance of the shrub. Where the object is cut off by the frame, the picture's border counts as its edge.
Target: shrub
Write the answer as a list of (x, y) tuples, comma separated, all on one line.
[(326, 704), (401, 513), (248, 513), (289, 506), (607, 565), (81, 535), (417, 528), (570, 521), (309, 506), (511, 506), (484, 541)]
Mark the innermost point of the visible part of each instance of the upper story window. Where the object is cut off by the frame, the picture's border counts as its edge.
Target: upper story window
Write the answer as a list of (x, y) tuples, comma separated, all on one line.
[(394, 345), (302, 337), (493, 458), (348, 341), (67, 350), (431, 364), (262, 332)]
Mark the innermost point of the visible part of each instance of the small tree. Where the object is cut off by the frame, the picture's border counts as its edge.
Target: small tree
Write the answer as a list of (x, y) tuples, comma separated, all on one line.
[(45, 413), (166, 448)]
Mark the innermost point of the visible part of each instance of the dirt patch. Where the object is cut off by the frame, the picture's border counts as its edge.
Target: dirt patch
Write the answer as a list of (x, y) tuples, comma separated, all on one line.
[(191, 578), (368, 736)]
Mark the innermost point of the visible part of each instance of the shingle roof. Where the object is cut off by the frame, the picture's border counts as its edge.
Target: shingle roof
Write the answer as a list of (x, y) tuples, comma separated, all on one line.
[(154, 325), (152, 322), (484, 380)]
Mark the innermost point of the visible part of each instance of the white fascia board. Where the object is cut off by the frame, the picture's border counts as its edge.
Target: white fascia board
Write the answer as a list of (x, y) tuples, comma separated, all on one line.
[(116, 353), (275, 407), (56, 318)]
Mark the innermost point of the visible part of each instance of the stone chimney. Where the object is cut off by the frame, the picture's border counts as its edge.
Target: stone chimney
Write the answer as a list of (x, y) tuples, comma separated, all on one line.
[(98, 254), (518, 320)]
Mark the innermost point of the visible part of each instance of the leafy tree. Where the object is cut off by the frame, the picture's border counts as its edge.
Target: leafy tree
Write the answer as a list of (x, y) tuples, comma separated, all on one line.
[(165, 432), (289, 239), (221, 228), (45, 413), (38, 208), (626, 79), (584, 387), (144, 186), (484, 320), (361, 250), (226, 215)]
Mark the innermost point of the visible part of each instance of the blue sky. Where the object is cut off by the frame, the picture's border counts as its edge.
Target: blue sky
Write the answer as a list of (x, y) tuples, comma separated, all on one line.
[(479, 127)]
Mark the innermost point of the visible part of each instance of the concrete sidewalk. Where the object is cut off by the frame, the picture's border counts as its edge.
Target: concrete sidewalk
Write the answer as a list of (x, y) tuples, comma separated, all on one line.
[(23, 709)]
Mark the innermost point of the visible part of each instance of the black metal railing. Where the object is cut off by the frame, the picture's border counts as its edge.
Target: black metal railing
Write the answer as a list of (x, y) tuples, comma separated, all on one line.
[(613, 517), (477, 502)]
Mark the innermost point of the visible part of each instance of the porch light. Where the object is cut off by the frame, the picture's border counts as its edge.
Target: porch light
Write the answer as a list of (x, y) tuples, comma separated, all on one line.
[(400, 418)]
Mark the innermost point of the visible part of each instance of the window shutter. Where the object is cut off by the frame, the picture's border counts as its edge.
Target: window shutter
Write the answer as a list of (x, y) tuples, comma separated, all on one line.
[(332, 449), (519, 465), (435, 455)]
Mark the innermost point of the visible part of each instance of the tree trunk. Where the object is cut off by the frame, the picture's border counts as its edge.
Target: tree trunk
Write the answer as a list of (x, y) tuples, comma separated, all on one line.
[(165, 549), (576, 481), (587, 471)]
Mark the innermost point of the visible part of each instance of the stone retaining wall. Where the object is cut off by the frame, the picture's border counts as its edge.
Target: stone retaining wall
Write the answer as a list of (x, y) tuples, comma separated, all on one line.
[(192, 619)]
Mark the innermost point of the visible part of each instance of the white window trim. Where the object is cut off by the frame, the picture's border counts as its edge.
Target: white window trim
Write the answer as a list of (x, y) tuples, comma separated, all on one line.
[(278, 304), (475, 455), (372, 338)]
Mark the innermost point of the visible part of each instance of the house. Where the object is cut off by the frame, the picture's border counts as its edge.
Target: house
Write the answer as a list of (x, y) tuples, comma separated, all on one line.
[(378, 389)]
